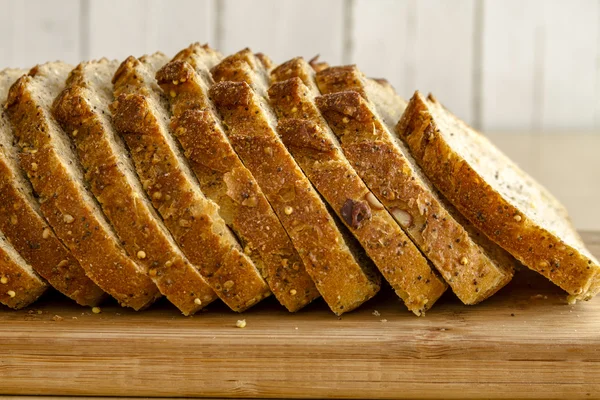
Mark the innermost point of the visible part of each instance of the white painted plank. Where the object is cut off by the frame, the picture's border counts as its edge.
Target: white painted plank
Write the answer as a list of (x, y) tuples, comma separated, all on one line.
[(509, 70), (176, 24), (118, 29), (570, 64), (45, 31), (382, 36), (444, 53), (6, 24), (284, 29)]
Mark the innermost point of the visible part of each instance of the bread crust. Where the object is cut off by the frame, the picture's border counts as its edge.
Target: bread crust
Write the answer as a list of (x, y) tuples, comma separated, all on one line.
[(224, 179), (310, 140), (341, 280), (82, 107), (473, 267), (25, 228), (140, 115), (65, 202), (489, 211)]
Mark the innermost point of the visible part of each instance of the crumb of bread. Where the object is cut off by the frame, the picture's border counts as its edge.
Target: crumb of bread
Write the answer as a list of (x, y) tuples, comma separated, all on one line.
[(384, 320), (376, 313), (57, 318), (96, 310), (241, 323)]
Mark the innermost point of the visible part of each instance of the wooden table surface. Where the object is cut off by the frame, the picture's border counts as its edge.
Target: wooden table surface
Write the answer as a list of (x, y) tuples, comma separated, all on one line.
[(525, 342)]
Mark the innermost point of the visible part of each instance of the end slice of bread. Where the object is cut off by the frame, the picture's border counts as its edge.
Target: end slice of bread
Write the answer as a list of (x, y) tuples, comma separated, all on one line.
[(19, 284), (57, 178), (240, 97), (82, 109), (26, 229), (505, 203), (224, 179), (473, 266), (141, 116), (316, 149)]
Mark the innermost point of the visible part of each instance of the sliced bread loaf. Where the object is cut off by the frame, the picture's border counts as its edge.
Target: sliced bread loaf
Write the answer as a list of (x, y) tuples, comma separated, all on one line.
[(25, 227), (509, 206), (316, 149), (57, 178), (224, 179), (82, 109), (141, 116), (473, 266), (20, 285), (240, 97)]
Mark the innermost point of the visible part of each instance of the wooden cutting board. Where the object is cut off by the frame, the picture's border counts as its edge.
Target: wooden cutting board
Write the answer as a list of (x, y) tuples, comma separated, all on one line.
[(525, 342)]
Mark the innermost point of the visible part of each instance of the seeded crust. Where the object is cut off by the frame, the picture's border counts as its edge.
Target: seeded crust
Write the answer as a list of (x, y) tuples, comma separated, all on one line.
[(225, 180), (342, 281), (57, 179), (316, 149), (141, 116), (474, 267), (82, 110), (19, 284), (26, 229), (505, 203)]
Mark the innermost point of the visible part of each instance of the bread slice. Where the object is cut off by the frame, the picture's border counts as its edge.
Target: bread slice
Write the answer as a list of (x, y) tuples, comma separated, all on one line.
[(499, 198), (240, 97), (225, 180), (141, 116), (25, 227), (57, 178), (316, 149), (82, 109), (20, 285), (473, 266)]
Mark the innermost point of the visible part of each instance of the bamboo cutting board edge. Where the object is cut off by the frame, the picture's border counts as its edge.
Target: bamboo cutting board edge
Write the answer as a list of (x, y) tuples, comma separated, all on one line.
[(524, 342)]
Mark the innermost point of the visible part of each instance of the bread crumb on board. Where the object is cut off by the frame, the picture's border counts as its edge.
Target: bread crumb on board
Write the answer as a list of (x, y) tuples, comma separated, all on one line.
[(241, 323), (376, 313), (57, 318), (96, 310)]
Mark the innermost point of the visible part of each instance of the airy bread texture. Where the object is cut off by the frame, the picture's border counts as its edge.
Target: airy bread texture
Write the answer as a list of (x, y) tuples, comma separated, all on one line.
[(57, 178), (240, 97), (83, 111), (224, 179), (509, 206), (26, 229), (473, 266), (316, 149), (141, 116)]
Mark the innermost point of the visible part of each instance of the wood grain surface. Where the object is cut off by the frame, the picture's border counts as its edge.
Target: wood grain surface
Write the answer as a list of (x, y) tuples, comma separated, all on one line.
[(525, 342)]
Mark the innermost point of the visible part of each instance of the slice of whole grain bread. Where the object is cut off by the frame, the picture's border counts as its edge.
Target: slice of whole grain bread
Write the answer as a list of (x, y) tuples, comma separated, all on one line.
[(224, 179), (57, 179), (24, 226), (82, 109), (241, 99), (474, 267), (318, 152), (500, 199), (141, 116)]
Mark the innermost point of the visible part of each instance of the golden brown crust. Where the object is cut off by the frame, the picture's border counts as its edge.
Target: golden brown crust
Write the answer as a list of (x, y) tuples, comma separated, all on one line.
[(140, 116), (19, 285), (308, 138), (474, 272), (489, 211), (225, 180), (29, 233), (339, 277), (83, 108), (64, 201)]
